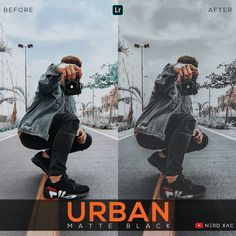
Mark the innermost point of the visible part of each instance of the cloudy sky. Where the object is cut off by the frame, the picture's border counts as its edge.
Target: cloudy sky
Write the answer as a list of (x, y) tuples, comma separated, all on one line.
[(85, 28), (175, 28)]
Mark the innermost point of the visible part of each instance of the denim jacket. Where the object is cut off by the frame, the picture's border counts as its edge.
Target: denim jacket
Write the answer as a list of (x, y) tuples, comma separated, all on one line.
[(48, 100), (165, 100)]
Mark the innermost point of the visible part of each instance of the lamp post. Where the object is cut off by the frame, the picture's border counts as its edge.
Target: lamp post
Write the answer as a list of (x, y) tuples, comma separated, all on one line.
[(142, 47), (93, 102), (209, 102), (26, 84)]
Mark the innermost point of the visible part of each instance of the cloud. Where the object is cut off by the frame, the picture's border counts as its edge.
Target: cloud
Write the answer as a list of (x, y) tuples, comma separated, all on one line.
[(57, 21), (56, 28), (174, 28)]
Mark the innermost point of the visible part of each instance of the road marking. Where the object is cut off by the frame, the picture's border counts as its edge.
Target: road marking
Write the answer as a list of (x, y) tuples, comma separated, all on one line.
[(99, 132), (10, 136), (215, 132), (36, 211), (39, 195), (156, 194)]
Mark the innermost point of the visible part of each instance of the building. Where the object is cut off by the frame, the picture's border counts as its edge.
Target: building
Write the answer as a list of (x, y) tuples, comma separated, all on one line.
[(111, 98), (223, 100)]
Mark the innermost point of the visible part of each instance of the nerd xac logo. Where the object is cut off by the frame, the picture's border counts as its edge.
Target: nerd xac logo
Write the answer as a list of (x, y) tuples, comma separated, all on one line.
[(117, 10), (199, 225)]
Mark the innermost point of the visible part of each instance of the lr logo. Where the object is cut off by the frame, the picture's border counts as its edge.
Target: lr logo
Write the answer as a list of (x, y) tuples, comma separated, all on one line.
[(117, 10)]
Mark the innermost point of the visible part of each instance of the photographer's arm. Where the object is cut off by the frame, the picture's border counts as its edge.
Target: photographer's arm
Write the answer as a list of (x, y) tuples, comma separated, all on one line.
[(49, 80), (166, 80), (56, 73), (174, 74)]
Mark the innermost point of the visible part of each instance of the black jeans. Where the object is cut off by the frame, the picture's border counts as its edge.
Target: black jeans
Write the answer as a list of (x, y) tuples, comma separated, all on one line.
[(178, 141), (62, 141)]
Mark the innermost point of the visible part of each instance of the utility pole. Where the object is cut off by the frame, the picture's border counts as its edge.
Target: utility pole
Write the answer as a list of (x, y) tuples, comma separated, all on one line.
[(93, 102), (209, 101), (26, 82), (142, 78)]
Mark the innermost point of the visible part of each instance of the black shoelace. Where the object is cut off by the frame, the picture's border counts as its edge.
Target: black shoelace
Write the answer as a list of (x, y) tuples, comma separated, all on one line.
[(187, 182), (69, 181)]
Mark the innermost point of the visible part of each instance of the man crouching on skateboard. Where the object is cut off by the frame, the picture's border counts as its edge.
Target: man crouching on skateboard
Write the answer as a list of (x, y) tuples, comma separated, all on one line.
[(50, 123), (167, 124)]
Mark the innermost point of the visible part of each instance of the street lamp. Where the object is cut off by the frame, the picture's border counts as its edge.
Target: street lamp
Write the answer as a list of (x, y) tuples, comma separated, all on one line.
[(26, 85), (142, 47), (93, 102), (209, 102)]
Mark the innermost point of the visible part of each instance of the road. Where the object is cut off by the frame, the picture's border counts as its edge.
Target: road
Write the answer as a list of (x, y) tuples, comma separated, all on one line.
[(213, 167), (97, 167)]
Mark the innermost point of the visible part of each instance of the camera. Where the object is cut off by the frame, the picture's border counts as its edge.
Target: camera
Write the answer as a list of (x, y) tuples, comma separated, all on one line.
[(189, 86), (73, 87)]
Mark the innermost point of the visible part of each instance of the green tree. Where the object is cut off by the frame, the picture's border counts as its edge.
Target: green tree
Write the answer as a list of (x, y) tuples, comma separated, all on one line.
[(106, 80)]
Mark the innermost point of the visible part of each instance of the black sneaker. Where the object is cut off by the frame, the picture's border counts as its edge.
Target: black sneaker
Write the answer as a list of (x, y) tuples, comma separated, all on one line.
[(65, 188), (158, 162), (41, 162), (181, 189)]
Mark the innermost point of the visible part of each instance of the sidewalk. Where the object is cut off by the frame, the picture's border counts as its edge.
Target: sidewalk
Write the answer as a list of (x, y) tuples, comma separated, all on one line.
[(108, 132), (230, 132), (8, 133), (126, 133)]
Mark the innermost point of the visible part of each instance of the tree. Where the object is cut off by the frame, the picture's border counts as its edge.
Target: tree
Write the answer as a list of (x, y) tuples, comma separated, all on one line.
[(135, 95), (84, 106), (8, 99), (122, 48), (225, 79), (108, 79), (18, 95), (4, 48), (18, 91), (130, 98), (200, 107), (135, 91)]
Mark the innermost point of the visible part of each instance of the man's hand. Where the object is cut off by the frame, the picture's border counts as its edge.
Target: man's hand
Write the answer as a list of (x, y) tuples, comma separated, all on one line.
[(81, 136), (69, 71), (197, 134), (186, 71)]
